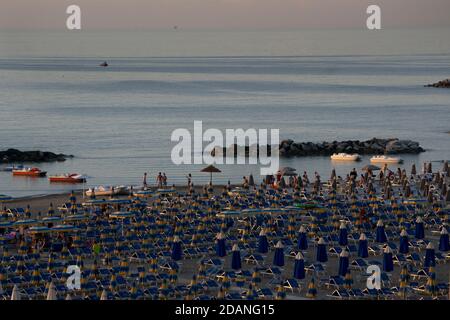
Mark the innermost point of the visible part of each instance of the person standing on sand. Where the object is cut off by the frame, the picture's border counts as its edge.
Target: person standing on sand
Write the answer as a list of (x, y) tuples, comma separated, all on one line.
[(189, 180), (159, 180), (305, 178), (144, 181), (164, 179), (244, 182)]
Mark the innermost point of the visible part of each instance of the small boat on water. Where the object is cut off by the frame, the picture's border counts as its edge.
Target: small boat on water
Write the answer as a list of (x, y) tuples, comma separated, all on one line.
[(68, 178), (104, 64), (345, 157), (29, 172), (385, 159), (107, 191), (13, 167)]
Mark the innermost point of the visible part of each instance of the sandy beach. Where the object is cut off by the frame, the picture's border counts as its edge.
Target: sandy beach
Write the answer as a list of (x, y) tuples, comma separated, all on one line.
[(143, 236)]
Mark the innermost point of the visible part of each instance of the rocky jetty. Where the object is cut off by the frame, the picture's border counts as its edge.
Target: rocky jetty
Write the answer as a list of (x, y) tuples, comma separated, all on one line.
[(440, 84), (14, 155), (374, 146), (290, 148)]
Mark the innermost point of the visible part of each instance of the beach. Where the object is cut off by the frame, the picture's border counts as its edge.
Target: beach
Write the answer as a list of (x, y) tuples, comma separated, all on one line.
[(163, 243)]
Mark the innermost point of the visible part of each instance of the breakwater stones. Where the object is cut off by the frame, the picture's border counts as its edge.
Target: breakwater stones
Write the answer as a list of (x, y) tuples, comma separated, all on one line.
[(290, 148), (14, 155), (440, 84), (373, 146)]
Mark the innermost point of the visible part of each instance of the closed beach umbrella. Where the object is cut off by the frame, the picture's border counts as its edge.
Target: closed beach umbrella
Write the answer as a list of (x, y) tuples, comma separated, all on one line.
[(343, 240), (278, 258), (444, 240), (251, 180), (388, 263), (15, 295), (348, 280), (430, 257), (236, 258), (429, 168), (51, 294), (343, 263), (312, 290), (363, 251), (220, 245), (104, 295), (302, 243), (446, 168), (263, 244), (413, 169), (299, 267), (404, 280), (431, 286), (420, 230), (176, 249), (282, 183), (321, 254), (404, 242), (211, 169), (380, 233)]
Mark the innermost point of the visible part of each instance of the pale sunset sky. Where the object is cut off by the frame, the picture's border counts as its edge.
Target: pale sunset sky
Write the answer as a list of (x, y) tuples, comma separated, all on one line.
[(222, 14)]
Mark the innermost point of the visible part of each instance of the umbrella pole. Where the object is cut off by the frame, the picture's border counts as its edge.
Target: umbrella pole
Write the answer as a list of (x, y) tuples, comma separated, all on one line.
[(210, 178)]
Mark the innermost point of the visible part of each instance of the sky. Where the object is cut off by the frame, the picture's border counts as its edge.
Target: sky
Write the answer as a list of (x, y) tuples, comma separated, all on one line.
[(222, 14)]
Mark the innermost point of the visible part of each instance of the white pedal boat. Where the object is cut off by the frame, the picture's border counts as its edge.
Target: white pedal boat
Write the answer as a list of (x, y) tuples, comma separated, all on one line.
[(385, 159), (345, 157)]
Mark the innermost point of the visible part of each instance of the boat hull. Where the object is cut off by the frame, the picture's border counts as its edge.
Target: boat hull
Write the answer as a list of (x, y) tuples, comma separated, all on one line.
[(345, 157), (30, 173), (387, 160), (66, 180)]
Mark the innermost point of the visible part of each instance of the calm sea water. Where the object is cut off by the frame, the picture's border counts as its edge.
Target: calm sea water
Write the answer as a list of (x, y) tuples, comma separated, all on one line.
[(312, 85)]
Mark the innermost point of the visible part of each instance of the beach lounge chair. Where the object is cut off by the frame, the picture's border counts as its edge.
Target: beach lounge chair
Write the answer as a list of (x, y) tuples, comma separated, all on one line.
[(356, 293), (271, 272), (265, 293), (414, 258), (255, 259), (333, 281), (335, 251), (315, 268), (292, 285), (339, 294), (359, 264)]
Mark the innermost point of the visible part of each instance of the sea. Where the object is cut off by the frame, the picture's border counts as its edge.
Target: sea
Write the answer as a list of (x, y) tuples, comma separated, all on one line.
[(312, 85)]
